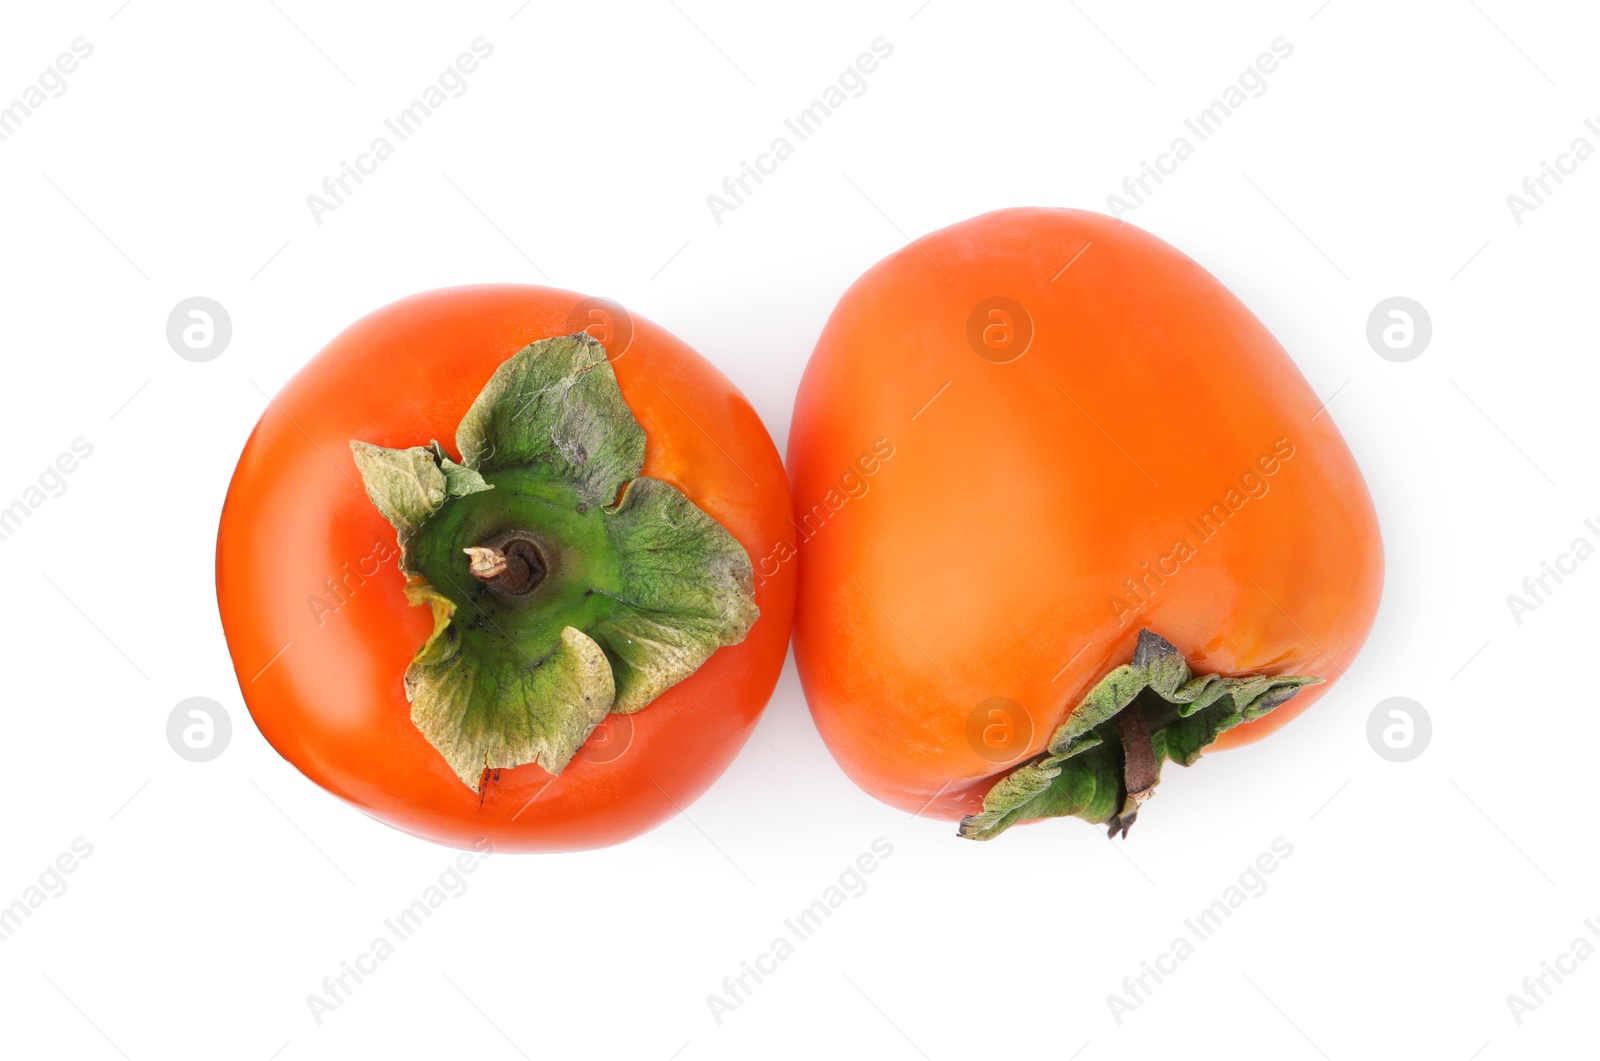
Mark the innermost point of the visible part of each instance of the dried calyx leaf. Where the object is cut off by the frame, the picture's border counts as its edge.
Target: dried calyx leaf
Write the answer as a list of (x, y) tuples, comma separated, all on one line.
[(564, 584), (409, 485), (1105, 759)]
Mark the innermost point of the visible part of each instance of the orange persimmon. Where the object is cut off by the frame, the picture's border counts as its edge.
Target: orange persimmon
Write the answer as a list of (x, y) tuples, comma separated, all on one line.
[(485, 569), (1047, 470)]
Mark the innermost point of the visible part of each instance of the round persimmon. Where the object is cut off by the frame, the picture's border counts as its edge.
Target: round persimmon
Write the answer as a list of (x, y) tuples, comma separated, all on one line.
[(1065, 510), (485, 569)]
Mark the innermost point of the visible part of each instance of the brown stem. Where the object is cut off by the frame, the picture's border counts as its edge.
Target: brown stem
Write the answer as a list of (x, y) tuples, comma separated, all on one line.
[(1140, 770), (516, 568), (487, 564)]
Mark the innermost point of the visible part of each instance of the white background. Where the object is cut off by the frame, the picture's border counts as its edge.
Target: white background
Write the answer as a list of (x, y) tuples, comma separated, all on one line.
[(1377, 163)]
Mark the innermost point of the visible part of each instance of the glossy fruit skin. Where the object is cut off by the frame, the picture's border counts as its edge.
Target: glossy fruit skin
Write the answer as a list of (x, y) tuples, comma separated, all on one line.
[(983, 558), (296, 515)]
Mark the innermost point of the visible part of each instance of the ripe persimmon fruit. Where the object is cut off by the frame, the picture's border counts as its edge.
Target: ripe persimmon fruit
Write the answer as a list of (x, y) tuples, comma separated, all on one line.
[(1115, 525), (485, 569)]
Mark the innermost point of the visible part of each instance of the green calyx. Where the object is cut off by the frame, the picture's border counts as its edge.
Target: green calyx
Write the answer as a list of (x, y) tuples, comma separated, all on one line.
[(564, 585), (1105, 759)]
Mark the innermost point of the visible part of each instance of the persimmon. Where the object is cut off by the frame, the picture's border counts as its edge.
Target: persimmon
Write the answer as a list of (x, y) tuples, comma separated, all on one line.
[(1115, 527), (485, 569)]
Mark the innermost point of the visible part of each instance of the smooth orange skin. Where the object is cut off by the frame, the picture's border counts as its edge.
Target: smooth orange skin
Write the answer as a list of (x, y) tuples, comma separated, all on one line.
[(296, 514), (984, 555)]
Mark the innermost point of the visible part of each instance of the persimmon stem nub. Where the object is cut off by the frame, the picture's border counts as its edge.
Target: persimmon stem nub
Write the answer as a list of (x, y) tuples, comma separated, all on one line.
[(516, 569), (1140, 769), (487, 564)]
